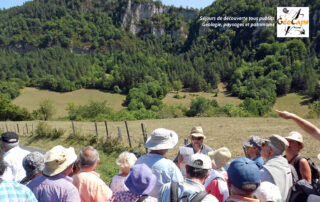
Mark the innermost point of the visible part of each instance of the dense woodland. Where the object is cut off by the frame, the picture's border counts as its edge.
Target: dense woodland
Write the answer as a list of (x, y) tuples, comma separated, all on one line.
[(64, 45)]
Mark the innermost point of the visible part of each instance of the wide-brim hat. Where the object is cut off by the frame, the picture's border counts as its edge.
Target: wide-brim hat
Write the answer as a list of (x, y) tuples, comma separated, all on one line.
[(220, 157), (58, 159), (140, 180), (197, 132), (295, 136), (162, 138)]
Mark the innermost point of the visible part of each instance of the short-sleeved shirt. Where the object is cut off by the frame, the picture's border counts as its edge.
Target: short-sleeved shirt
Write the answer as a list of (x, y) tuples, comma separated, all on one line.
[(57, 188), (15, 192), (188, 188), (117, 184), (164, 169), (15, 170), (91, 187), (204, 150), (128, 196), (217, 185)]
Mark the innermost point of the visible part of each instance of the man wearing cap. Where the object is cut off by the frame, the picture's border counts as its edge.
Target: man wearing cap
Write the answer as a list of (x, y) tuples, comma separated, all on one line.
[(55, 184), (13, 191), (33, 164), (191, 189), (253, 150), (301, 164), (13, 156), (158, 143), (196, 137), (276, 168), (88, 182), (244, 179)]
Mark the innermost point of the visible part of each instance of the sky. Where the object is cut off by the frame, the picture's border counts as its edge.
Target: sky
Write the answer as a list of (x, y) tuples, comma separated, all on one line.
[(184, 3)]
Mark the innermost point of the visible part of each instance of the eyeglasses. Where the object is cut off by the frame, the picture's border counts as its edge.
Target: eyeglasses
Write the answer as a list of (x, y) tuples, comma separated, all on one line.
[(196, 138)]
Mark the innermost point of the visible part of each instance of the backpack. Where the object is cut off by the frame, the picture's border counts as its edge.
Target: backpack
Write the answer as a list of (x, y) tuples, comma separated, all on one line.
[(174, 194), (314, 170)]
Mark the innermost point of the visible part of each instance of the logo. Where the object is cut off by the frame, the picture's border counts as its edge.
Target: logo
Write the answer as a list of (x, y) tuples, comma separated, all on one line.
[(293, 22)]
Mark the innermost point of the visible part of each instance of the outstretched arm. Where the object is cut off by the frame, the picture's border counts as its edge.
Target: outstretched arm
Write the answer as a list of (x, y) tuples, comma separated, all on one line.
[(302, 123)]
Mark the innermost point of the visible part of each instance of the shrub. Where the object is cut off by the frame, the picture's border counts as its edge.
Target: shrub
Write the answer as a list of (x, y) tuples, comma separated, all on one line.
[(45, 130)]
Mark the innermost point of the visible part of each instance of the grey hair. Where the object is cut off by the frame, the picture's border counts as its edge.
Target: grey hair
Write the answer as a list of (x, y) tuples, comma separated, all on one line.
[(245, 189), (10, 145), (88, 156), (275, 149)]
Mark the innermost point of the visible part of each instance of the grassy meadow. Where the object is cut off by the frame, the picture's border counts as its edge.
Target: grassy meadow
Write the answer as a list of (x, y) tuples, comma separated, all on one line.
[(31, 97), (219, 131)]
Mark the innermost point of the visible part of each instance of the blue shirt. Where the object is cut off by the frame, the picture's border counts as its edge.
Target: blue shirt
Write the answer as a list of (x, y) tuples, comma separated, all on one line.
[(259, 161), (15, 192), (57, 188), (164, 169), (188, 188)]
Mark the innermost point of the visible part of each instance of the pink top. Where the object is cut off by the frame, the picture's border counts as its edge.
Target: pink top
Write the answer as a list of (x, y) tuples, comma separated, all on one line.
[(91, 187)]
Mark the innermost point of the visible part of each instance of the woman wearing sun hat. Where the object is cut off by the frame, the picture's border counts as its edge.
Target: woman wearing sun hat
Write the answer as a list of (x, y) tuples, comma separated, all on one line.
[(301, 165), (140, 183)]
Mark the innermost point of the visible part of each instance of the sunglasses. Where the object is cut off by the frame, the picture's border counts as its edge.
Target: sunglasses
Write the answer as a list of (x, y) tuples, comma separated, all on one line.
[(196, 138)]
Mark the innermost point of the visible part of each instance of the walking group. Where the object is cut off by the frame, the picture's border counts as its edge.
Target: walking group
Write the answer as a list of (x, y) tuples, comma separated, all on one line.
[(270, 170)]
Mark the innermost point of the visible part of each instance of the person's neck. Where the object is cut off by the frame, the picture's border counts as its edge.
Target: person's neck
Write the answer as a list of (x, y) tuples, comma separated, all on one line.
[(253, 156), (87, 169), (197, 150), (291, 156), (201, 181), (160, 152)]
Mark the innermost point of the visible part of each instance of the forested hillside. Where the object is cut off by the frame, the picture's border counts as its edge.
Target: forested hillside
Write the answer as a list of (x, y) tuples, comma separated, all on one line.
[(144, 49)]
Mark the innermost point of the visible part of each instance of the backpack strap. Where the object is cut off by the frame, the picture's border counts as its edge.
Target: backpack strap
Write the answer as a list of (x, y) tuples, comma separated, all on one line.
[(199, 196), (297, 165), (142, 198), (174, 192)]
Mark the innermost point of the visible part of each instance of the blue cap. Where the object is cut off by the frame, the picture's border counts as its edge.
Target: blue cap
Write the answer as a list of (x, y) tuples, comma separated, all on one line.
[(243, 171)]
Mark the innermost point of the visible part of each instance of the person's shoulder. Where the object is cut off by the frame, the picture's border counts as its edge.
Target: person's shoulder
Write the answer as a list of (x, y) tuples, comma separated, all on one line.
[(207, 148)]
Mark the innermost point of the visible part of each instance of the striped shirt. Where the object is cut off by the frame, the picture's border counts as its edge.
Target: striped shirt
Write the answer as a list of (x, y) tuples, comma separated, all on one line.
[(11, 191)]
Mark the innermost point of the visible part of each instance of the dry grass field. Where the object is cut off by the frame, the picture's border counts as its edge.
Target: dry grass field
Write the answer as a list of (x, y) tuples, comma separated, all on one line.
[(31, 97), (294, 103), (229, 132)]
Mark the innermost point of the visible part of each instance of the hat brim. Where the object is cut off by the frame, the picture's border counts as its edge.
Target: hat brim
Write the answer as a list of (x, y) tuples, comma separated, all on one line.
[(150, 144), (197, 135), (72, 157), (293, 139), (247, 144), (129, 182)]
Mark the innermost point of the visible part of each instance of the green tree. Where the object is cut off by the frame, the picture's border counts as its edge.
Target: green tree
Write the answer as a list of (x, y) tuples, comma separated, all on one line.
[(47, 109)]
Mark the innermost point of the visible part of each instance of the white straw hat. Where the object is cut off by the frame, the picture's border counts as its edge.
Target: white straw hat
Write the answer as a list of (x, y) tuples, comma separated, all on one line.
[(295, 136)]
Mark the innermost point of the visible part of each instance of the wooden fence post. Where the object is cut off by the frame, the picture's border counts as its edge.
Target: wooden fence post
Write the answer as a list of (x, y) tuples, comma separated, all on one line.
[(7, 127), (27, 128), (107, 132), (96, 126), (18, 128), (128, 134), (74, 131), (119, 133), (32, 133), (144, 134)]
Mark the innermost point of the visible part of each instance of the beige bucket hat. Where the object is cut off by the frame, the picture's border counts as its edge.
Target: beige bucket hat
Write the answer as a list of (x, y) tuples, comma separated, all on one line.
[(58, 159), (295, 136), (220, 157), (162, 138), (197, 132), (278, 141)]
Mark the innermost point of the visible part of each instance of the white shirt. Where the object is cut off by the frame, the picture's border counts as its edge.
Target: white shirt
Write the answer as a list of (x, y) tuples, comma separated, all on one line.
[(15, 170), (117, 184)]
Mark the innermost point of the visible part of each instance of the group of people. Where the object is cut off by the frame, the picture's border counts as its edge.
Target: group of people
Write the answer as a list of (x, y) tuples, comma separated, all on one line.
[(202, 175)]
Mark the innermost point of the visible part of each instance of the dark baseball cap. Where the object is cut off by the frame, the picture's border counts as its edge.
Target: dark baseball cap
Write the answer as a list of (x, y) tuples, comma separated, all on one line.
[(254, 141), (9, 137)]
